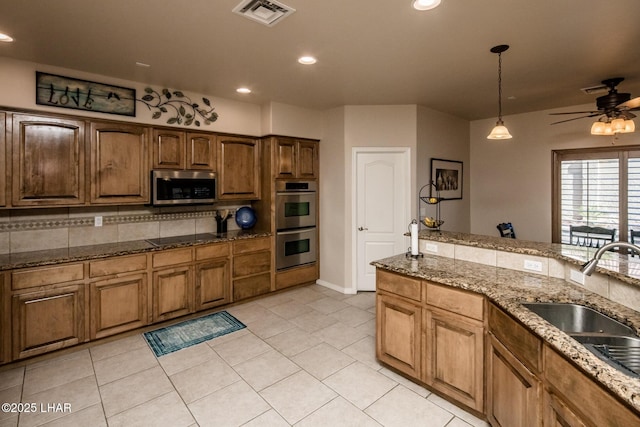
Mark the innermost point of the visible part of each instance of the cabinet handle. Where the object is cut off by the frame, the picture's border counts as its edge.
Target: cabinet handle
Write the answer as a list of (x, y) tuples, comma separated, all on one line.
[(362, 228)]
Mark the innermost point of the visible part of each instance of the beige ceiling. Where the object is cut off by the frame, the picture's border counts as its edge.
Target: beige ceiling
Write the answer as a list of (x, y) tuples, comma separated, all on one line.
[(369, 52)]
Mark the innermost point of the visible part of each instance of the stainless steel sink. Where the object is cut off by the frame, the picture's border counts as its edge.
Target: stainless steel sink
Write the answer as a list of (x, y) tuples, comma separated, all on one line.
[(578, 319), (613, 342)]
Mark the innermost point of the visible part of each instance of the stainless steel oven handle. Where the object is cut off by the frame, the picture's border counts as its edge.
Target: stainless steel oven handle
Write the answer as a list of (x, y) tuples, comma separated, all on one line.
[(296, 231), (293, 193)]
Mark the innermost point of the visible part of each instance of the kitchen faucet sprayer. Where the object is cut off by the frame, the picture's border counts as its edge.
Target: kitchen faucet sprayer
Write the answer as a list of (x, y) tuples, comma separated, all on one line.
[(590, 266)]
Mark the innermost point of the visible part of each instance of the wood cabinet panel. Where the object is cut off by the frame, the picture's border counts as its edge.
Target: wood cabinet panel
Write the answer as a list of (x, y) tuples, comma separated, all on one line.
[(238, 168), (48, 161), (513, 392), (201, 151), (248, 264), (212, 284), (172, 293), (557, 414), (168, 149), (286, 156), (400, 285), (119, 163), (453, 352), (117, 265), (212, 251), (251, 286), (118, 305), (251, 245), (522, 343), (3, 160), (172, 257), (456, 301), (296, 276), (398, 334), (595, 406), (295, 158), (308, 159), (47, 320), (44, 276)]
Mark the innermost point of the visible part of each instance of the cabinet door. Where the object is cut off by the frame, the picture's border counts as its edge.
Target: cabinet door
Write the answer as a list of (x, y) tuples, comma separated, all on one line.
[(119, 164), (3, 164), (307, 159), (557, 414), (47, 320), (168, 149), (118, 305), (172, 293), (398, 334), (285, 158), (213, 284), (238, 168), (48, 161), (454, 357), (201, 149), (513, 392)]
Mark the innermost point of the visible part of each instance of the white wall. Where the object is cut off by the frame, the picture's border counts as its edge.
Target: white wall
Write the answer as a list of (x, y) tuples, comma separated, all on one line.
[(511, 179), (443, 136), (284, 119)]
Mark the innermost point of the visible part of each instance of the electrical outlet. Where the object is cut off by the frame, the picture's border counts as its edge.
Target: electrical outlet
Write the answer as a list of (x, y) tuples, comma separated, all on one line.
[(532, 265), (577, 277), (431, 247), (97, 221)]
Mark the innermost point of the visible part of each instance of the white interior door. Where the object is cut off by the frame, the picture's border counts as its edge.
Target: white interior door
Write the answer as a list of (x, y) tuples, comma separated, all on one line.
[(382, 188)]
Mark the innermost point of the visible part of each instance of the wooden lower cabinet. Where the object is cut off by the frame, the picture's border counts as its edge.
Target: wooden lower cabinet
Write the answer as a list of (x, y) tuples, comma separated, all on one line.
[(558, 414), (453, 353), (251, 272), (212, 283), (47, 320), (172, 293), (513, 391), (398, 334), (118, 304)]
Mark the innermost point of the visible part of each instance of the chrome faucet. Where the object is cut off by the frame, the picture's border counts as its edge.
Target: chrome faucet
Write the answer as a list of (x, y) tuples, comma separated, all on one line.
[(589, 266)]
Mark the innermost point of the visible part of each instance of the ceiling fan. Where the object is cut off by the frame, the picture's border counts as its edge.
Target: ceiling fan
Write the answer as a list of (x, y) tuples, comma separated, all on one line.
[(612, 107)]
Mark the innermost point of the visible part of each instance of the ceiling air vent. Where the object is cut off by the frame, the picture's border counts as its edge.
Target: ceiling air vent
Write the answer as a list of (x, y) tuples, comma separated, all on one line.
[(265, 12)]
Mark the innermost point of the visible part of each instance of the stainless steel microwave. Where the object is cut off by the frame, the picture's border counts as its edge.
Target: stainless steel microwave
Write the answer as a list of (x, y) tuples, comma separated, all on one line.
[(179, 187)]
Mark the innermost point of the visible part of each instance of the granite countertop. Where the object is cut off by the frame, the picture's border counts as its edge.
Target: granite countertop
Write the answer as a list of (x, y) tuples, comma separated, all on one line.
[(623, 267), (509, 288), (85, 253)]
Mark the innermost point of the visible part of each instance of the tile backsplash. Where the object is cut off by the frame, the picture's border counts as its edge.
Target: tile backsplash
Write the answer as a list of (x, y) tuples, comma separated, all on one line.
[(40, 229)]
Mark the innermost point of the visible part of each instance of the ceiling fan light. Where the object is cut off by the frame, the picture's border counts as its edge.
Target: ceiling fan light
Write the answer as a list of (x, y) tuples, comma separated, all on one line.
[(617, 125), (629, 127), (608, 129), (598, 128), (500, 131)]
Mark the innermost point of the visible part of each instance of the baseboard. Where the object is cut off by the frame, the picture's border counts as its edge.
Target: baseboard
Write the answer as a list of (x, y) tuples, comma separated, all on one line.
[(335, 287)]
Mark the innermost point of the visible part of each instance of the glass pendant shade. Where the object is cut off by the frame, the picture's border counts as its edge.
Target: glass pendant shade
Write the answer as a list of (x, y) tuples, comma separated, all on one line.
[(613, 127), (500, 131), (617, 125), (629, 127)]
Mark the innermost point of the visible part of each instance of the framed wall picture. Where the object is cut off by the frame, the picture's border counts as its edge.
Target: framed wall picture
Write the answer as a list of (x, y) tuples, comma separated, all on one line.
[(447, 178), (67, 92)]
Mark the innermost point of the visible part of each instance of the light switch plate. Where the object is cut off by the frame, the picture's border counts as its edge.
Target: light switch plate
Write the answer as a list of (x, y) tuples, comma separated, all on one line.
[(431, 247), (97, 222)]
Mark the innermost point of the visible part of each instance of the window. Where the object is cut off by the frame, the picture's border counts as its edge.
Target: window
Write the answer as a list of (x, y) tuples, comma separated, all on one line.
[(598, 188)]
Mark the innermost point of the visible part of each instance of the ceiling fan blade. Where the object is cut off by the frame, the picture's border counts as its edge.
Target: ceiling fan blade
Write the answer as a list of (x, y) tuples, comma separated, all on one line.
[(576, 118), (576, 112), (632, 104)]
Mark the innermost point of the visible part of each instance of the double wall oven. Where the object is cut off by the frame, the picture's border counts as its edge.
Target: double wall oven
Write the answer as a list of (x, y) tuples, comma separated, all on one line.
[(296, 232)]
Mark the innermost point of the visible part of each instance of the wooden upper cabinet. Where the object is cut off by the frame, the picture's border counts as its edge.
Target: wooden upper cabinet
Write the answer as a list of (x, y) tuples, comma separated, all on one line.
[(48, 161), (3, 163), (119, 163), (296, 158), (238, 168), (173, 149)]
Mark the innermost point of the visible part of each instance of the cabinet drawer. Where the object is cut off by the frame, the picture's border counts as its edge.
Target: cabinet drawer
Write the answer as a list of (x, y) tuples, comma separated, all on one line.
[(245, 265), (455, 301), (212, 251), (522, 343), (251, 245), (117, 265), (399, 285), (251, 286), (164, 258), (46, 276)]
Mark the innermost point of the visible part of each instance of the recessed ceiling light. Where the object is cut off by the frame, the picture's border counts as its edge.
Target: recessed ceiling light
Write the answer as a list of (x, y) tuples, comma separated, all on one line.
[(243, 90), (307, 60), (425, 4), (143, 65), (5, 38)]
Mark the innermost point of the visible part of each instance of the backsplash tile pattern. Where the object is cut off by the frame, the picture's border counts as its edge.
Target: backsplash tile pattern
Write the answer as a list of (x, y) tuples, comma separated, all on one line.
[(41, 229)]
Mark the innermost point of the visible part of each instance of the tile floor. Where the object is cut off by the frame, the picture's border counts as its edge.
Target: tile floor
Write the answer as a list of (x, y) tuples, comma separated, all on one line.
[(306, 358)]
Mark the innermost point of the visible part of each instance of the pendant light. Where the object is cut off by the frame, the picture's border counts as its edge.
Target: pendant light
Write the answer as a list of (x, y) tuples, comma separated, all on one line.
[(499, 131)]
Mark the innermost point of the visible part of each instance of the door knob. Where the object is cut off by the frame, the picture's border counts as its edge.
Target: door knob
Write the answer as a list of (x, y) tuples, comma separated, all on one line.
[(362, 228)]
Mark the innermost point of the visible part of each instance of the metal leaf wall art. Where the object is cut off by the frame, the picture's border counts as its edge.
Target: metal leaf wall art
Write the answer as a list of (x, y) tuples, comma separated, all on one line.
[(181, 109)]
